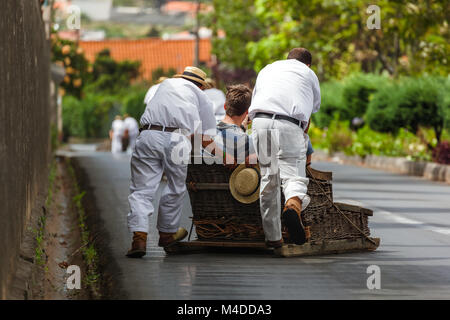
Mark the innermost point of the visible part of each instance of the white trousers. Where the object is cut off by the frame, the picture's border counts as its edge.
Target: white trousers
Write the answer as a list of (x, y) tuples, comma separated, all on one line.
[(281, 148), (133, 137), (156, 153), (116, 143)]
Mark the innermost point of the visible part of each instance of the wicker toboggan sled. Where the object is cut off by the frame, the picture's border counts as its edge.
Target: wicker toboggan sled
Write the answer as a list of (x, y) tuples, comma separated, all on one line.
[(222, 221)]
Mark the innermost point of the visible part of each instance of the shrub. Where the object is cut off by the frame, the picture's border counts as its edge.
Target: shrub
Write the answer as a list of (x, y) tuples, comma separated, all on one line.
[(410, 103), (331, 104), (160, 72), (90, 117), (382, 115), (112, 76), (357, 92), (441, 154), (336, 137), (348, 99), (133, 103), (69, 55)]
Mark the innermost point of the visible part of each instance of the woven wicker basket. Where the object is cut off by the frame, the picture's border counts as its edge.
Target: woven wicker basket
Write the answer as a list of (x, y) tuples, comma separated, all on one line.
[(217, 216)]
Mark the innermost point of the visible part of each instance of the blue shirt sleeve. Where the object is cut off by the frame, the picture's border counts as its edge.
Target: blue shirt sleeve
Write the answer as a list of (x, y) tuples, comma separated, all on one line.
[(310, 148)]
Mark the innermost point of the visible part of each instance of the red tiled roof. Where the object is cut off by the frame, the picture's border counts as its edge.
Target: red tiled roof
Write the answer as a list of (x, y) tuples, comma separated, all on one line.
[(152, 52), (185, 6)]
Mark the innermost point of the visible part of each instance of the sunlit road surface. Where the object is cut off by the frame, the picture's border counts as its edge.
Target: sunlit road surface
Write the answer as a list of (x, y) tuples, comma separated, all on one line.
[(411, 216)]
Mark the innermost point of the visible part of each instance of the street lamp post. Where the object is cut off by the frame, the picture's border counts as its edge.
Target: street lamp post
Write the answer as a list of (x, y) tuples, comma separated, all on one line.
[(197, 37)]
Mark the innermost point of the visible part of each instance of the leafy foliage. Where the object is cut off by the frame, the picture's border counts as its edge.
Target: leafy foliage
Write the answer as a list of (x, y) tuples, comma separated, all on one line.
[(133, 103), (112, 76), (410, 103), (413, 37), (67, 54), (338, 137), (160, 72), (441, 154)]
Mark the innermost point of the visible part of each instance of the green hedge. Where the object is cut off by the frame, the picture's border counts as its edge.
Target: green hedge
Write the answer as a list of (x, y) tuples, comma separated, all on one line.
[(348, 98), (91, 117), (410, 103), (387, 105), (133, 103)]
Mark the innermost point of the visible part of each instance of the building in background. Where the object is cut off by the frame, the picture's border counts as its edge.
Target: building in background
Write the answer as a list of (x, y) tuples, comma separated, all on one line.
[(152, 52), (98, 10)]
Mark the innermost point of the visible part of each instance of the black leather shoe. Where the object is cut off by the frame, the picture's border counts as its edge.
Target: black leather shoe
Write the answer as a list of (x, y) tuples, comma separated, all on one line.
[(294, 225)]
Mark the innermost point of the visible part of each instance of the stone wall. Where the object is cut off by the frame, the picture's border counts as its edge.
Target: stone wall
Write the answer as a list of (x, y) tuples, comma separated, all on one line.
[(24, 124)]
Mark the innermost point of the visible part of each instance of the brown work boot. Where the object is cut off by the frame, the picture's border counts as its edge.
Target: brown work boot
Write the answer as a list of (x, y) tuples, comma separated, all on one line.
[(139, 245), (166, 239), (291, 218), (274, 244)]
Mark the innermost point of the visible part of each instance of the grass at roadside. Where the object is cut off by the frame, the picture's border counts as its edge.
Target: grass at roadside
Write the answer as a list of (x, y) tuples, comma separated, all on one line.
[(39, 256), (88, 249)]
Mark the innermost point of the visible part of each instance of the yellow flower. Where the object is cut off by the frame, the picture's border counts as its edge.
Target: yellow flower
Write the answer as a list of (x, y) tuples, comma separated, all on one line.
[(65, 50), (62, 92), (90, 69), (67, 61), (67, 79), (70, 70), (80, 50), (77, 83)]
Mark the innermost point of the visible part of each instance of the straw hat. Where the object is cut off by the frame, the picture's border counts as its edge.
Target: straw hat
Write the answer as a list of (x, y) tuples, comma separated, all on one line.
[(161, 79), (194, 74), (244, 183)]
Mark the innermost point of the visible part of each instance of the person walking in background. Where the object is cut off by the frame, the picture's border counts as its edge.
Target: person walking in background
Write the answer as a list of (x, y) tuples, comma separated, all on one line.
[(116, 133), (286, 93), (218, 99), (131, 131)]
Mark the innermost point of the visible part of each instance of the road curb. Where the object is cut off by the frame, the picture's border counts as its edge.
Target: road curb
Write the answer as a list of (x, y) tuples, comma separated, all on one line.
[(428, 170)]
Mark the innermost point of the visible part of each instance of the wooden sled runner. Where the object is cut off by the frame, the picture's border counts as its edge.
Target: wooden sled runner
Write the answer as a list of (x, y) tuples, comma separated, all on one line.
[(223, 222)]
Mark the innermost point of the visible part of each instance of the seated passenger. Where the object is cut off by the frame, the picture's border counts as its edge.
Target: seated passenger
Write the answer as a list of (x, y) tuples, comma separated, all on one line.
[(232, 129), (232, 136)]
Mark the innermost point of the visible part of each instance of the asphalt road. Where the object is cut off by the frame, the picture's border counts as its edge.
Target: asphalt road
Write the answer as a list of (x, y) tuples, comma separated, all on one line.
[(411, 216)]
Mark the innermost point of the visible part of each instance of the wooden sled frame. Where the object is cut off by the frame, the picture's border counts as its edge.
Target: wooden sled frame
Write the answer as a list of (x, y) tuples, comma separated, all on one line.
[(345, 244), (287, 250)]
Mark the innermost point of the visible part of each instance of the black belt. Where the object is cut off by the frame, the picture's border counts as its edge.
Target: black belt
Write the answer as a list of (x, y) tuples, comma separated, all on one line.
[(157, 128), (276, 117)]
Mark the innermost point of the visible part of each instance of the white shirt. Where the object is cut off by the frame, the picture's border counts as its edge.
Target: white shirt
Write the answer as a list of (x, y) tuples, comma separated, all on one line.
[(151, 92), (218, 99), (132, 125), (117, 127), (286, 87), (179, 103)]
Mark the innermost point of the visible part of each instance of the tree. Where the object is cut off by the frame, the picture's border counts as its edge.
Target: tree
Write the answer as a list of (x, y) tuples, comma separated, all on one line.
[(412, 39), (69, 55), (112, 76), (410, 103)]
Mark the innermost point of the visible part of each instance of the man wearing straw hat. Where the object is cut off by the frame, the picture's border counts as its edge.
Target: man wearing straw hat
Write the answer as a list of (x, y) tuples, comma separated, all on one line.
[(286, 93), (178, 109)]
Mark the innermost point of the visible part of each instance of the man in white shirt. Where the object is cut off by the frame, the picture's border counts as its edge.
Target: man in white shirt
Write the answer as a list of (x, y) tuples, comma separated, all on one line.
[(178, 109), (132, 131), (286, 93), (151, 92), (218, 98), (116, 133)]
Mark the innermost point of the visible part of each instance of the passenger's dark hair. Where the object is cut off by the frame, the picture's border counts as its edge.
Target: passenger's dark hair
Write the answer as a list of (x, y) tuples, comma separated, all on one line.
[(238, 99)]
